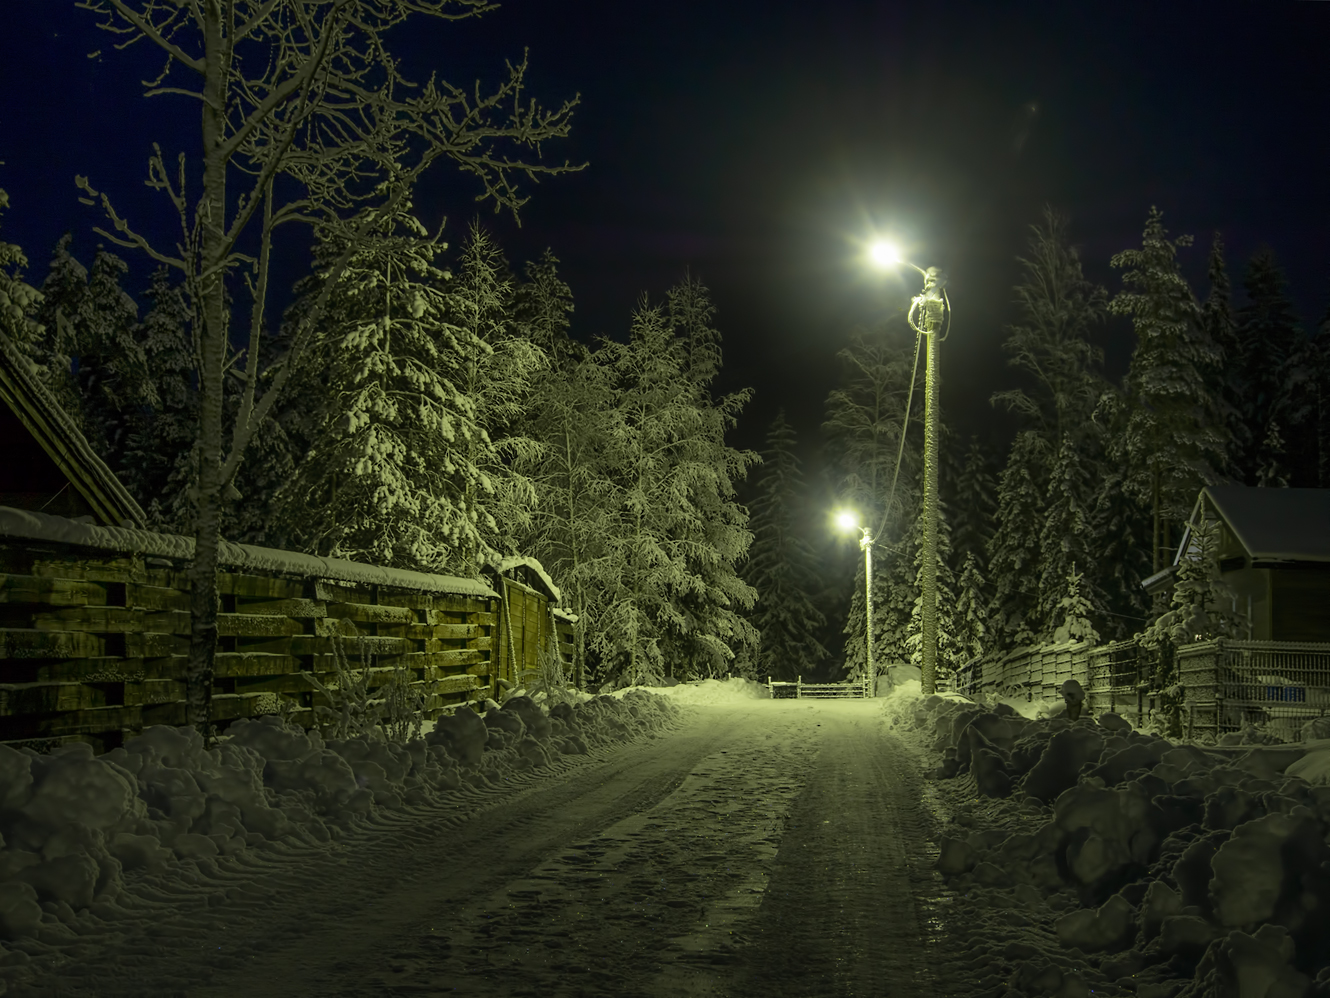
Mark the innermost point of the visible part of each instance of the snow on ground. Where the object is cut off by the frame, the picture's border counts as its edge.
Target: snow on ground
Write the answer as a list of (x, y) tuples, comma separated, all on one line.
[(1091, 858), (1072, 858), (79, 831)]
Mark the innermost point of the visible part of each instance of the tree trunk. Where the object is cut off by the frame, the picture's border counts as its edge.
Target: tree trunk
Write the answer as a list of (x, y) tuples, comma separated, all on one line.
[(210, 315)]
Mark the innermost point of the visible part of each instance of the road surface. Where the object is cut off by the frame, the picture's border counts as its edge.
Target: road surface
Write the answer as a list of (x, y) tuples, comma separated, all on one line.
[(772, 848)]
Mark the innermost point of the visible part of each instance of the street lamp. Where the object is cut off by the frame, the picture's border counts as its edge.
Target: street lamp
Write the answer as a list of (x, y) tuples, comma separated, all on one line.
[(848, 521), (930, 306)]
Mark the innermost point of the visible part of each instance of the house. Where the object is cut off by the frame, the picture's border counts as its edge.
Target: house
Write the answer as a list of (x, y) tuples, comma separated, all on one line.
[(1273, 551), (46, 464)]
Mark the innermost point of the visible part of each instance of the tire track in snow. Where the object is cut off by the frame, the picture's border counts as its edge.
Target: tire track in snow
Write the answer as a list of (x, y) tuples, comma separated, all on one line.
[(842, 915)]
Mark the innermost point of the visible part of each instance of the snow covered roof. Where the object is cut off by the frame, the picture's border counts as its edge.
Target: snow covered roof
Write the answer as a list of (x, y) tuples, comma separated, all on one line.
[(49, 424), (41, 526), (1276, 524), (521, 561)]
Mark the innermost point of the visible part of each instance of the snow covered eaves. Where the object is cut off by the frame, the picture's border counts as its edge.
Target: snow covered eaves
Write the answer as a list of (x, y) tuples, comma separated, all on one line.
[(20, 523), (504, 565)]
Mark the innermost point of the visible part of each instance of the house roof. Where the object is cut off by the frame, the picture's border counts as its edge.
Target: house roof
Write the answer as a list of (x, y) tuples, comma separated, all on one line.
[(52, 428), (1276, 524)]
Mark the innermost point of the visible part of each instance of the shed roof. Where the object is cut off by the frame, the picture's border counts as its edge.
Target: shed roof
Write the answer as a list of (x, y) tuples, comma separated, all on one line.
[(49, 424), (1276, 524)]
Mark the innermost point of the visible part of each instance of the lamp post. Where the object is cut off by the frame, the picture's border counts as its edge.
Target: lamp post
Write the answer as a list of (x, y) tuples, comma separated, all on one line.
[(848, 521), (930, 306)]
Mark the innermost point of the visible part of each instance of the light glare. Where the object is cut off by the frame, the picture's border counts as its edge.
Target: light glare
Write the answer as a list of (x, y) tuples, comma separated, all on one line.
[(885, 254), (847, 519)]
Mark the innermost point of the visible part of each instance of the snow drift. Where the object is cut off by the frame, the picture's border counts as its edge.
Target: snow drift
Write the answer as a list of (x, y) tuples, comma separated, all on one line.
[(74, 826), (1165, 868)]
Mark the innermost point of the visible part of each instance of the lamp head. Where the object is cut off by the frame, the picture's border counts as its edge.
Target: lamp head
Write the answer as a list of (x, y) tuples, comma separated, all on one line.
[(884, 254), (847, 520)]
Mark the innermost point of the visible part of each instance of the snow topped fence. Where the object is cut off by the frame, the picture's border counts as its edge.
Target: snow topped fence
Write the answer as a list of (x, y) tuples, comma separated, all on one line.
[(1269, 689), (95, 633)]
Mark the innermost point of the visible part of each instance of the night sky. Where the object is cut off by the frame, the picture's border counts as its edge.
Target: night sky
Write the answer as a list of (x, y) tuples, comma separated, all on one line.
[(759, 144)]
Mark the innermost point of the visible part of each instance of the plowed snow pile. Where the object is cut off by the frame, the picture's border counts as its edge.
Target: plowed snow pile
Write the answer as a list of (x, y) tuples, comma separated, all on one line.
[(1084, 857), (78, 829)]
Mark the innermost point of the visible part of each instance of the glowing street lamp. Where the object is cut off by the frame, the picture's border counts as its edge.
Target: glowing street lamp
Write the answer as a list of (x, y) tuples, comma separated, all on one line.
[(848, 521), (930, 306)]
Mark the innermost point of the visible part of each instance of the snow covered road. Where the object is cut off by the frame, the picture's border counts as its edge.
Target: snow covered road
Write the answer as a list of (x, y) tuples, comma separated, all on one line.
[(760, 848)]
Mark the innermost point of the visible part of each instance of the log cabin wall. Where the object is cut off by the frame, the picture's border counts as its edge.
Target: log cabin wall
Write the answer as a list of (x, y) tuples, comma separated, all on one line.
[(93, 643)]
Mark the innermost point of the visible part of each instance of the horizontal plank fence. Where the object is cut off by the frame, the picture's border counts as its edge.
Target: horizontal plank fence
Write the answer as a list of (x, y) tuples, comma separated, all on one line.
[(93, 643)]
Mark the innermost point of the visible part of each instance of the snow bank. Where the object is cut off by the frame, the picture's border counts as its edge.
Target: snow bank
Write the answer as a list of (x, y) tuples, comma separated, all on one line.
[(74, 825), (1162, 868), (709, 691)]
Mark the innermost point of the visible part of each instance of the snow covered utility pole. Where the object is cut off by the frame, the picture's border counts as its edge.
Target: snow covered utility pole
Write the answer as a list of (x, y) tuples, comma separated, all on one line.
[(930, 306), (927, 311), (848, 520)]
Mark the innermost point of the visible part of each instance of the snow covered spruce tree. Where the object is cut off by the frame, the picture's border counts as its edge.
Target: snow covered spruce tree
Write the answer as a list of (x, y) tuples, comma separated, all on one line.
[(304, 118), (1269, 339), (388, 474), (157, 466), (780, 564), (568, 416), (865, 421), (1225, 374), (95, 364), (497, 367), (18, 299), (972, 497), (675, 601), (1050, 343), (1169, 433), (1014, 549)]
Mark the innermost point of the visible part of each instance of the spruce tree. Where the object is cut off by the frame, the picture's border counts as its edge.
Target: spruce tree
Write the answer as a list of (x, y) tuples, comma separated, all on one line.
[(1068, 537), (388, 453), (1059, 310), (1173, 439), (973, 502), (1074, 611), (780, 565), (157, 466), (1013, 552), (95, 365), (866, 419), (1225, 374), (19, 301), (1269, 338), (971, 617), (496, 372), (674, 600)]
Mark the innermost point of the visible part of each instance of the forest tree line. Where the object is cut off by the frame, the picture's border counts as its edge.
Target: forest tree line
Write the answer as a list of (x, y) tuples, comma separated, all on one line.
[(440, 419), (1051, 541), (443, 417)]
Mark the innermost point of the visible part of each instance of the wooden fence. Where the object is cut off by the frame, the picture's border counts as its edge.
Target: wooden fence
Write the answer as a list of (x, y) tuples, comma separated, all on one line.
[(93, 642)]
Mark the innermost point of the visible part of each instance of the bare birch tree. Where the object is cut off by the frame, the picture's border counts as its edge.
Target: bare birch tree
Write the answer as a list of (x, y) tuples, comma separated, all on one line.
[(304, 119)]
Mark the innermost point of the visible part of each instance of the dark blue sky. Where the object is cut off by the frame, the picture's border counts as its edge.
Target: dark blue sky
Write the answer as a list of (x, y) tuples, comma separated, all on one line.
[(756, 142)]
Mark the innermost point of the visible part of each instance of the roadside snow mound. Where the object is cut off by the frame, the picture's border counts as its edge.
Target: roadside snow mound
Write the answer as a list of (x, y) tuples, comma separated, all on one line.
[(72, 824), (713, 691), (1178, 870)]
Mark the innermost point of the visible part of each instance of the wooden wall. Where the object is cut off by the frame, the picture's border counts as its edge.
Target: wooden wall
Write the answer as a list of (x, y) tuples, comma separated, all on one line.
[(93, 644)]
